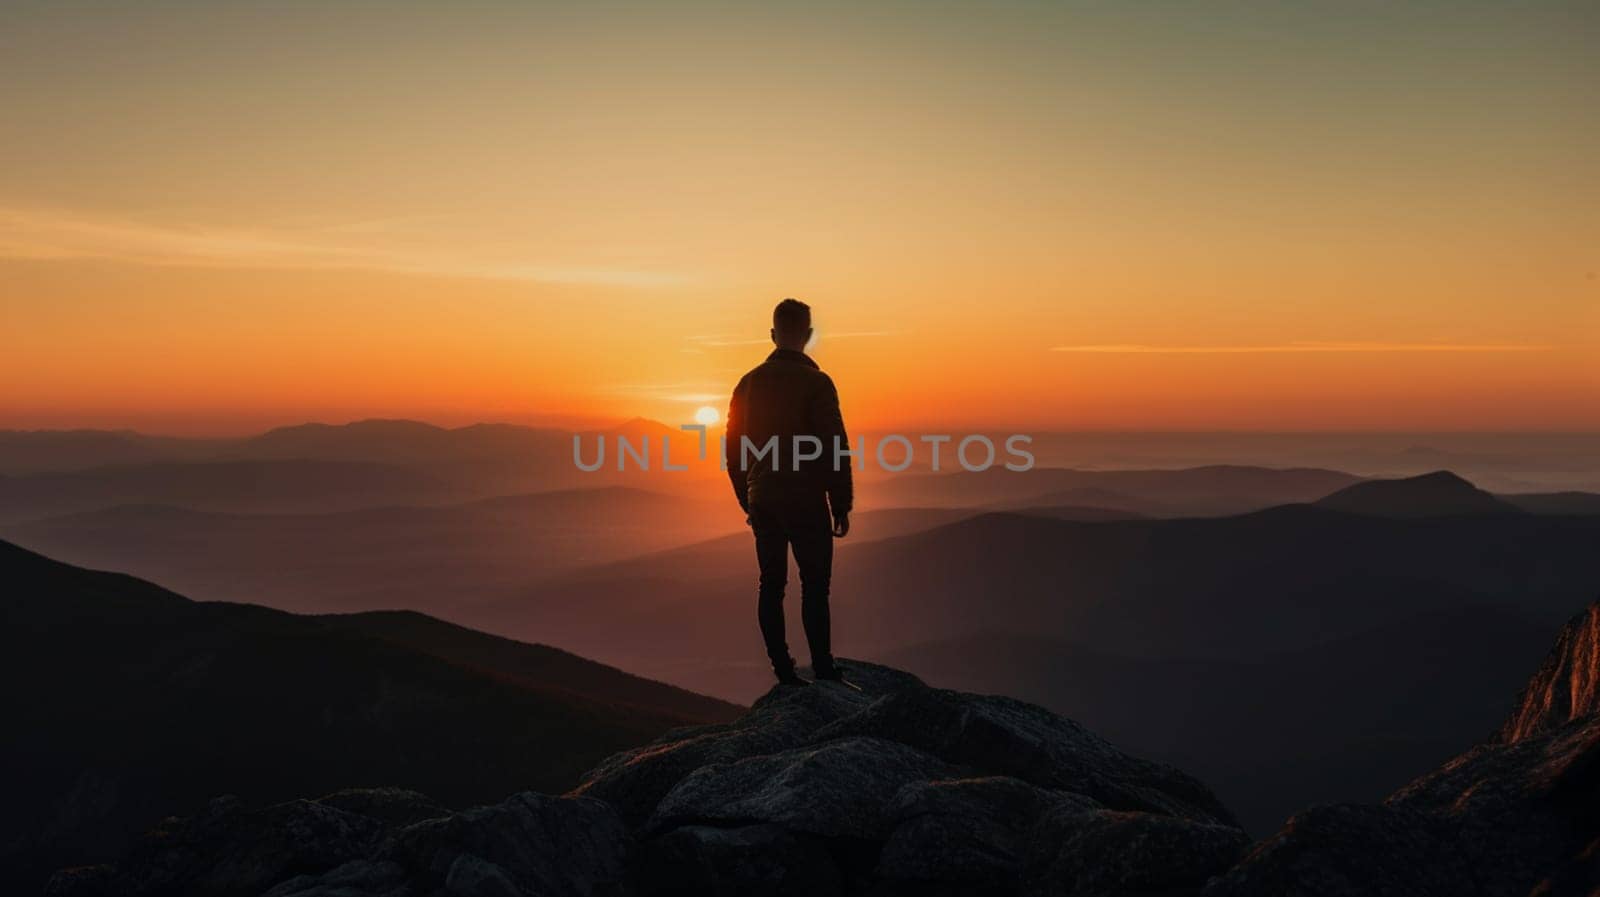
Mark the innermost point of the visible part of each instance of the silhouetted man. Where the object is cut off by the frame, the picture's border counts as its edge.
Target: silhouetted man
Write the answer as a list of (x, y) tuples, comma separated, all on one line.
[(784, 426)]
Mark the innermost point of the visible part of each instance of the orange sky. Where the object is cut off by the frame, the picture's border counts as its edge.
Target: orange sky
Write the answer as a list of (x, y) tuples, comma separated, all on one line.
[(216, 218)]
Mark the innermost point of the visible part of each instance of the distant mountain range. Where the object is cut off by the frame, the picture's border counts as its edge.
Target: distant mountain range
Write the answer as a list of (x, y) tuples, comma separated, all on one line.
[(442, 558), (1282, 579), (286, 486), (1503, 462), (1099, 619), (125, 703), (1126, 577), (328, 467), (1194, 491), (314, 467), (367, 441)]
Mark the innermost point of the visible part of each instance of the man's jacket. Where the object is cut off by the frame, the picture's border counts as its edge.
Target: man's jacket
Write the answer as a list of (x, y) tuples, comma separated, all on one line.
[(786, 396)]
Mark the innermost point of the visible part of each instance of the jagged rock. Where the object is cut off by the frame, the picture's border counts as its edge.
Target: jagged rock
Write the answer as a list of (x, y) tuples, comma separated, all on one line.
[(1005, 736), (359, 878), (635, 781), (986, 734), (907, 786), (1567, 685), (391, 806), (228, 849), (840, 789), (972, 832), (85, 881), (1579, 875), (231, 850), (1511, 817), (1106, 852), (530, 844), (1523, 809), (1345, 850), (748, 861)]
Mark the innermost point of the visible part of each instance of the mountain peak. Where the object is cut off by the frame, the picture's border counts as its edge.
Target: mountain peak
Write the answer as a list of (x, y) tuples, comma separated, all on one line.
[(635, 426), (1442, 479), (478, 715), (1441, 493)]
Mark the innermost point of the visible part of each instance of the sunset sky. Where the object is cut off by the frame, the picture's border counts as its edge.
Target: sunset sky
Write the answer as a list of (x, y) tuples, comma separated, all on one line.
[(218, 217)]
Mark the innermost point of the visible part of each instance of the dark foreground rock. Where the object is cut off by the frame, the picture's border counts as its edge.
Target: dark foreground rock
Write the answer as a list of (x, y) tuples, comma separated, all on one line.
[(1517, 816), (529, 844), (901, 790), (894, 789), (904, 789)]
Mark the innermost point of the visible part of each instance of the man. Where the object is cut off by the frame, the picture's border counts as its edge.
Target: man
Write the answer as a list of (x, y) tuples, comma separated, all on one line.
[(784, 427)]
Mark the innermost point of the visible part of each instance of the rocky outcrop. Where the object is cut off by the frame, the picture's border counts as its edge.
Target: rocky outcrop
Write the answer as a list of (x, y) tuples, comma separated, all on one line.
[(529, 844), (1109, 853), (887, 788), (1518, 815), (1567, 685), (902, 788), (978, 831)]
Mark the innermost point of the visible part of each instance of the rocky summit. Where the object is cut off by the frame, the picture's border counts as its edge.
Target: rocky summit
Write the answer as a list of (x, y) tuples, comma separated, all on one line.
[(895, 788)]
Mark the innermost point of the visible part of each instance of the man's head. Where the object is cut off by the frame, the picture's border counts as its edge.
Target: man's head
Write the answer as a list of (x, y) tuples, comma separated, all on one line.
[(791, 325)]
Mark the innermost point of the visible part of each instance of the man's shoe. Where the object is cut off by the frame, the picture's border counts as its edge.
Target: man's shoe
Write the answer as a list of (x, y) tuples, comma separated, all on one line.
[(829, 671), (791, 678), (834, 673)]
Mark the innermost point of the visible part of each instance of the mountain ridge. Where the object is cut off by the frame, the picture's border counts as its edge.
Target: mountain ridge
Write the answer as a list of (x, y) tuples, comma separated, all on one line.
[(173, 701)]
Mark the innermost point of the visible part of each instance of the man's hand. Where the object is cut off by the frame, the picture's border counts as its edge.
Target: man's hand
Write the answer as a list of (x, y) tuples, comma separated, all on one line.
[(841, 525)]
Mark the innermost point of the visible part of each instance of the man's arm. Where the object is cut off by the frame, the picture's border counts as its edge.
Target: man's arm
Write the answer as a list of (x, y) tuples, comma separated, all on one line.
[(733, 438), (827, 422)]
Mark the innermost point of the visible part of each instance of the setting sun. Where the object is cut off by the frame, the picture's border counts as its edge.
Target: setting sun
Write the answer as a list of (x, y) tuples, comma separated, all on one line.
[(706, 415)]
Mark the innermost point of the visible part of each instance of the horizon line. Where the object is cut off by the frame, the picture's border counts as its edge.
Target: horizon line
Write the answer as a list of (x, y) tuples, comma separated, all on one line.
[(589, 425)]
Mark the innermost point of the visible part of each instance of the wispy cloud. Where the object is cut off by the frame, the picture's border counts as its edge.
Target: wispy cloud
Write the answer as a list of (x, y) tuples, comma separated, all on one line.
[(51, 234), (1297, 347)]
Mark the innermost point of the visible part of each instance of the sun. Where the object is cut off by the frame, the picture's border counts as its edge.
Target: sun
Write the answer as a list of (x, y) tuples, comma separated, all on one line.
[(706, 415)]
